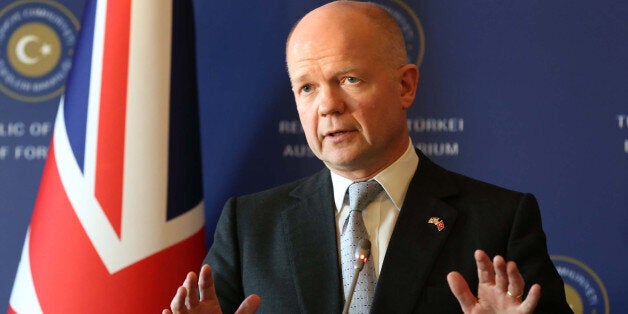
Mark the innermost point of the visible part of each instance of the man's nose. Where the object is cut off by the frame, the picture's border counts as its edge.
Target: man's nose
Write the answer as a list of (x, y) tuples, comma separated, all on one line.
[(330, 102)]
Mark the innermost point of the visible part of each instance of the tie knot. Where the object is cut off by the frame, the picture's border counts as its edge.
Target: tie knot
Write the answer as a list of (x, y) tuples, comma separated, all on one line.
[(362, 193)]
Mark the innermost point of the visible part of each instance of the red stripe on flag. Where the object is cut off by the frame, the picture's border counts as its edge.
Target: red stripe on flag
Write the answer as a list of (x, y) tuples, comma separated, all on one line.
[(70, 277), (111, 124)]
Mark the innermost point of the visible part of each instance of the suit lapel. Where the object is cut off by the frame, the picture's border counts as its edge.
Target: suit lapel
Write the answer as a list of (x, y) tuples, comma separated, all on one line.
[(415, 243), (310, 235)]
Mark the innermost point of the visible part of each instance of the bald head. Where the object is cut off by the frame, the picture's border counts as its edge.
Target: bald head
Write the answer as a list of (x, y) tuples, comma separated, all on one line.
[(352, 86), (355, 22)]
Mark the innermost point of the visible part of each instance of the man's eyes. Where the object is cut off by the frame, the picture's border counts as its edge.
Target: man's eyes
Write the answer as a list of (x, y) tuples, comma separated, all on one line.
[(306, 88), (350, 80)]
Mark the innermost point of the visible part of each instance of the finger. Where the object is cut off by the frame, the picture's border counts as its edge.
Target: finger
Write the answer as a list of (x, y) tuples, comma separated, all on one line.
[(166, 311), (249, 305), (206, 284), (515, 280), (178, 302), (501, 277), (532, 299), (461, 291), (486, 274), (190, 284)]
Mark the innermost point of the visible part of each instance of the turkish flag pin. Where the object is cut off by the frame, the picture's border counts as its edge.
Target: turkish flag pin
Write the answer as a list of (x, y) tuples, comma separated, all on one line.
[(440, 224)]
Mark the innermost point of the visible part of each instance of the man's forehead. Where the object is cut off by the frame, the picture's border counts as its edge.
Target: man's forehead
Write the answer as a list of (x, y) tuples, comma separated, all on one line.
[(333, 36), (330, 60), (305, 72), (329, 43)]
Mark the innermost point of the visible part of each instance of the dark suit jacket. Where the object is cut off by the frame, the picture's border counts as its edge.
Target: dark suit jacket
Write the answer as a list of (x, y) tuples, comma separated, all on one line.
[(281, 244)]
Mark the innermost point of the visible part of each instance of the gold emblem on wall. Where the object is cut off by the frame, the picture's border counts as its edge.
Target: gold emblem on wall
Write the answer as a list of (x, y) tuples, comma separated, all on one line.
[(34, 49), (584, 289), (37, 40)]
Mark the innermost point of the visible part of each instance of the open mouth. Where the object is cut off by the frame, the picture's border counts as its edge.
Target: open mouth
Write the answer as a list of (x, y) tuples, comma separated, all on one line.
[(332, 134)]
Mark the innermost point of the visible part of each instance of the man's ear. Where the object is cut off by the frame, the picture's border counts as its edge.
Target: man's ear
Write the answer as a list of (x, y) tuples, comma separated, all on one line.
[(409, 80)]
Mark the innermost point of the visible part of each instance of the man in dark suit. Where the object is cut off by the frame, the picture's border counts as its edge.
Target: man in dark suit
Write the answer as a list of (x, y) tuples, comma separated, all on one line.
[(352, 85)]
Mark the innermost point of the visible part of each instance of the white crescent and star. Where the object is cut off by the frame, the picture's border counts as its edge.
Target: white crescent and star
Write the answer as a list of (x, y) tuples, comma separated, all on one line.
[(22, 55)]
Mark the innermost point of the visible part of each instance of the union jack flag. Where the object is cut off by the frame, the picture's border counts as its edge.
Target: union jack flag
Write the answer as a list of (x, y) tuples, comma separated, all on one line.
[(119, 217)]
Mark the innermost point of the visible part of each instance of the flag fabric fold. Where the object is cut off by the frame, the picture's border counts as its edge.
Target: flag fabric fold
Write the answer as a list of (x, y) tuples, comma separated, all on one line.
[(119, 217)]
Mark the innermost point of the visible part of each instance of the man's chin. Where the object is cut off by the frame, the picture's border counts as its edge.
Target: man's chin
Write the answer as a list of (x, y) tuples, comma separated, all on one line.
[(336, 167), (344, 165)]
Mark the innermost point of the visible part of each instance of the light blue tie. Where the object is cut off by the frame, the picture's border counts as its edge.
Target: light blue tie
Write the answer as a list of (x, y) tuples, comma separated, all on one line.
[(360, 195)]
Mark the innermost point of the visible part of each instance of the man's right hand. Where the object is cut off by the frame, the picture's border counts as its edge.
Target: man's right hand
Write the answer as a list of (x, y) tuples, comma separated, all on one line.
[(187, 300)]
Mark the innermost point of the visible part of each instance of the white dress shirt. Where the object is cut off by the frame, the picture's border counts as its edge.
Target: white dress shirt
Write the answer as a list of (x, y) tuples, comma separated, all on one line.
[(381, 214)]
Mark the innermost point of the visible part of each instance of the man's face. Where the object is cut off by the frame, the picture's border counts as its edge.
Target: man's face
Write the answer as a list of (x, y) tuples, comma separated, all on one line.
[(348, 98)]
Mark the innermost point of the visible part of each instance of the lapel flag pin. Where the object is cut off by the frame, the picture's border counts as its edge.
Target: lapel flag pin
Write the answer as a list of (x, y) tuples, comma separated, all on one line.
[(440, 224)]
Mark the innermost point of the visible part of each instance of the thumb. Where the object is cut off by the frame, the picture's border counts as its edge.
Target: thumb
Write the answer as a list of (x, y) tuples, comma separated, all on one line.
[(249, 305)]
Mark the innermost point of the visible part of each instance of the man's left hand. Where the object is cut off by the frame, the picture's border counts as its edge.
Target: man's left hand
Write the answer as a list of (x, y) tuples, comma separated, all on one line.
[(500, 288)]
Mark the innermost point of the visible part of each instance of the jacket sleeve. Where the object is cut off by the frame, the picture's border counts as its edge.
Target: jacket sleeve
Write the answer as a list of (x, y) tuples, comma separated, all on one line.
[(527, 246), (224, 259)]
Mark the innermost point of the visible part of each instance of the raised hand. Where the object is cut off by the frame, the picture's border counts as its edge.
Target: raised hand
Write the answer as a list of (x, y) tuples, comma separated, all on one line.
[(188, 301), (500, 288)]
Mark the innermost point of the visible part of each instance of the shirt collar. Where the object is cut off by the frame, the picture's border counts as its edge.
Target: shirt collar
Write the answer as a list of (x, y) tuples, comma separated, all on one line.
[(395, 179)]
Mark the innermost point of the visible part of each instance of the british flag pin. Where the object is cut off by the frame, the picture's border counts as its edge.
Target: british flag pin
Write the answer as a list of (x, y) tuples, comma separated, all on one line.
[(440, 224)]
